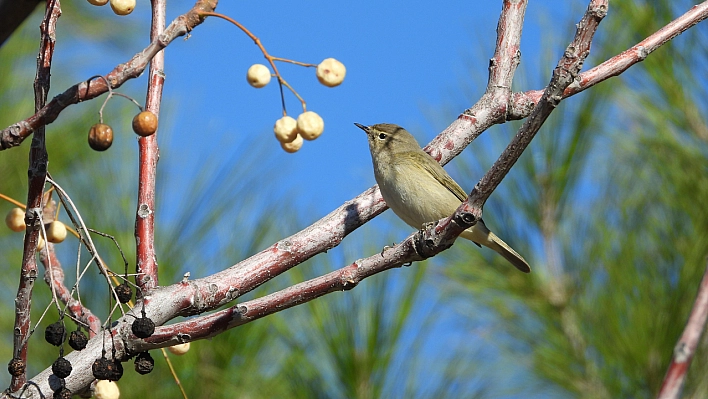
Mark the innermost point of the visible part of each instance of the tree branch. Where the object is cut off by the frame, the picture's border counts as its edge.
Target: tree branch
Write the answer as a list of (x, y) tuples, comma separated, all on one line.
[(15, 134), (52, 267), (619, 63), (33, 212), (146, 262), (687, 344)]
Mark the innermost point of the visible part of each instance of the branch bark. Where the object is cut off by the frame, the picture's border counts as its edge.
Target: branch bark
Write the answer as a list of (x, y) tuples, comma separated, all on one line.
[(687, 344), (15, 134), (37, 172), (146, 262)]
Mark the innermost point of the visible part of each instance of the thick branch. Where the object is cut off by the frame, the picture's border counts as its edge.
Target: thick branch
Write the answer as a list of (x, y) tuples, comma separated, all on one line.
[(687, 344), (37, 174), (619, 63), (15, 134), (146, 262)]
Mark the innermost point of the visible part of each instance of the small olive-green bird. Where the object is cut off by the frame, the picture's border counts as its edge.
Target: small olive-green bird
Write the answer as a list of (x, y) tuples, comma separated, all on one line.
[(419, 190)]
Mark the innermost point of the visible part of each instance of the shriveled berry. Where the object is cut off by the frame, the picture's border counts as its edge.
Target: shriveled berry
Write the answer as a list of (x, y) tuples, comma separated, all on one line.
[(292, 146), (56, 232), (144, 363), (55, 333), (331, 72), (258, 75), (106, 390), (16, 367), (15, 219), (310, 125), (180, 349), (62, 393), (285, 129), (145, 124), (77, 340), (143, 327), (122, 7), (61, 367), (124, 293), (100, 137), (105, 369)]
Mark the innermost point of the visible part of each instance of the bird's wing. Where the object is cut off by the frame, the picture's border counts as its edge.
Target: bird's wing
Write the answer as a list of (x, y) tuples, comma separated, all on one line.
[(441, 175)]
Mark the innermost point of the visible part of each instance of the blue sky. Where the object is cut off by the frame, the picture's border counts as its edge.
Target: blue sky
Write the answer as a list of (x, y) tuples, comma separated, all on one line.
[(407, 63)]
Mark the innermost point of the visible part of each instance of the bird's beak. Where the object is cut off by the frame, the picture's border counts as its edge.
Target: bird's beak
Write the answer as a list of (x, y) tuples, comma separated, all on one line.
[(362, 127)]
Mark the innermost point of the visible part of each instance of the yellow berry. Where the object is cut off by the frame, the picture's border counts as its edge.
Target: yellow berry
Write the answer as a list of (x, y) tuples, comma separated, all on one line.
[(106, 390), (180, 349), (56, 232), (285, 129), (100, 137), (15, 219), (292, 146), (122, 7), (98, 2), (40, 244), (331, 72), (145, 124), (310, 125), (258, 75)]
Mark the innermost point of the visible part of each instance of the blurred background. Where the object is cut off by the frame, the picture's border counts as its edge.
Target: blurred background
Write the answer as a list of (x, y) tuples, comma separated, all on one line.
[(606, 204)]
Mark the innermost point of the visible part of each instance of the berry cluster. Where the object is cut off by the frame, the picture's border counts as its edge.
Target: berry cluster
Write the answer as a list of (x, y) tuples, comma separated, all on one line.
[(309, 125), (120, 7)]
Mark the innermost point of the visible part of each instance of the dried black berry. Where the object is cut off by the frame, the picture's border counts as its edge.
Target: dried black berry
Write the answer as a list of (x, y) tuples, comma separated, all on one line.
[(16, 367), (61, 367), (104, 369), (124, 293), (55, 333), (100, 368), (62, 393), (143, 327), (77, 340), (144, 363)]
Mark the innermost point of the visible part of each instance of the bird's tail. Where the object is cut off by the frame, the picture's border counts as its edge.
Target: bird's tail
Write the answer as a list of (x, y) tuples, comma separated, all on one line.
[(480, 234), (508, 253)]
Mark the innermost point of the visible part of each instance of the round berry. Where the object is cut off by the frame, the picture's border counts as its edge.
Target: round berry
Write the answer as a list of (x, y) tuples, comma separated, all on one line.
[(56, 232), (293, 146), (16, 367), (180, 349), (106, 390), (144, 363), (143, 327), (62, 393), (98, 2), (258, 75), (122, 7), (77, 340), (331, 72), (100, 137), (145, 124), (61, 367), (55, 333), (310, 125), (285, 129), (124, 293), (15, 219)]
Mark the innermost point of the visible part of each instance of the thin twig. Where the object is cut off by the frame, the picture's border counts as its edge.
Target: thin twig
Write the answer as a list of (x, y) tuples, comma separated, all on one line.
[(270, 58), (687, 344), (15, 134)]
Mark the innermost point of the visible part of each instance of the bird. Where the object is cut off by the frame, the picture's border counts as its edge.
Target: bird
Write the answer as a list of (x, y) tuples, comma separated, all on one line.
[(419, 190)]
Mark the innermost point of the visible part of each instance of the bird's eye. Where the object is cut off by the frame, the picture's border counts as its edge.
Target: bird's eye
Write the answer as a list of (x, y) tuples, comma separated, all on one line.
[(382, 136)]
